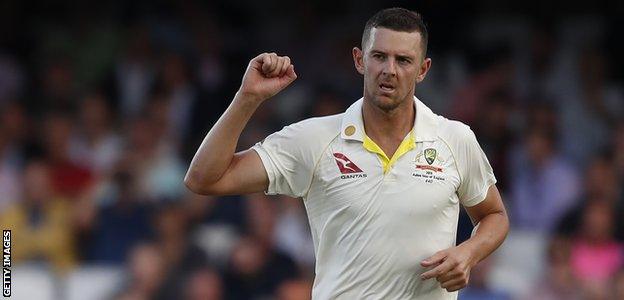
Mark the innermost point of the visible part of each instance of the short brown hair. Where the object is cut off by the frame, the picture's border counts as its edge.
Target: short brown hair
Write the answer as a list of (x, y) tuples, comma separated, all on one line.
[(397, 19)]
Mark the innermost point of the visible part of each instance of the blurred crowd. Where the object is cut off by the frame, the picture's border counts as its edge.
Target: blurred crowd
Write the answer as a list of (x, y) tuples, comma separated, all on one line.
[(103, 105)]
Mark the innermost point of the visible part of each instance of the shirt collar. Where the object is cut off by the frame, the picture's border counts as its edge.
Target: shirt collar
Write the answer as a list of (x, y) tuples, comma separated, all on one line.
[(425, 122)]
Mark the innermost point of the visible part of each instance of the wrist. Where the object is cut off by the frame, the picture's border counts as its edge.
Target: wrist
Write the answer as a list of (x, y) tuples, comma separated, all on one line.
[(472, 251), (248, 98)]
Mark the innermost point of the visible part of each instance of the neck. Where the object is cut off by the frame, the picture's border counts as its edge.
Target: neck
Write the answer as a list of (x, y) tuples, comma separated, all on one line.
[(393, 124)]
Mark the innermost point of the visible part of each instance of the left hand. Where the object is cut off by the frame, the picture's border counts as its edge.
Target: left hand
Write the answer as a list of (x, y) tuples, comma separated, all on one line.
[(452, 267)]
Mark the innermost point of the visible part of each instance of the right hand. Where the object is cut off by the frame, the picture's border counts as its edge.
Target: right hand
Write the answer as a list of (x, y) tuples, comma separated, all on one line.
[(266, 75)]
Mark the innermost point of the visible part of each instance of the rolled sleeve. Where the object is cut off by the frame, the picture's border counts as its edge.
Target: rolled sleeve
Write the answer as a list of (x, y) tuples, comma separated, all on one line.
[(269, 167), (288, 160)]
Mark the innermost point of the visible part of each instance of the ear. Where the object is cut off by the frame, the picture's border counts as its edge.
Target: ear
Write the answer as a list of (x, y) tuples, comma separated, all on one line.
[(358, 60), (424, 68)]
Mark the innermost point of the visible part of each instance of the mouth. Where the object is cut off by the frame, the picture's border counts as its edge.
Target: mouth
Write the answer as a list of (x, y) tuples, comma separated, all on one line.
[(386, 87)]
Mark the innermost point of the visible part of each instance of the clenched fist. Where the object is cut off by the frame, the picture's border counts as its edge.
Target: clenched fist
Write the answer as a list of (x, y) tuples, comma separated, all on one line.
[(266, 75)]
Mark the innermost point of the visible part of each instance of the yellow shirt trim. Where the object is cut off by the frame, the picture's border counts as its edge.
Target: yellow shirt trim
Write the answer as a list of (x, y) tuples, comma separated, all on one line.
[(406, 145)]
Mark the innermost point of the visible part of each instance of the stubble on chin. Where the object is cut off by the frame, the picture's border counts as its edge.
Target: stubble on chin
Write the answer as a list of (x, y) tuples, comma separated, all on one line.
[(384, 103)]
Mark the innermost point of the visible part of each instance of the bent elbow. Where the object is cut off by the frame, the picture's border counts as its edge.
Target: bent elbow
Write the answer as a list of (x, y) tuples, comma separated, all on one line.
[(507, 225), (194, 184)]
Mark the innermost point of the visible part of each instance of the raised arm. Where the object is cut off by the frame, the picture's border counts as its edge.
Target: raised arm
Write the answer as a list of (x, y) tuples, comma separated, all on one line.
[(215, 168)]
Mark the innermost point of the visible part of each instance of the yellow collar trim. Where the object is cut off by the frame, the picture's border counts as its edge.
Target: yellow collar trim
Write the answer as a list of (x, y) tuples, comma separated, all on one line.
[(408, 143)]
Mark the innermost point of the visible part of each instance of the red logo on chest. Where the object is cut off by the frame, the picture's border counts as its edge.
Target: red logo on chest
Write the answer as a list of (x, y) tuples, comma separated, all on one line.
[(345, 165)]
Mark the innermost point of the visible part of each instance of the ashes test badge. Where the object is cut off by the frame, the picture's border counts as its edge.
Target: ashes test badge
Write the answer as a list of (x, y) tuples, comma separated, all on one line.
[(428, 172)]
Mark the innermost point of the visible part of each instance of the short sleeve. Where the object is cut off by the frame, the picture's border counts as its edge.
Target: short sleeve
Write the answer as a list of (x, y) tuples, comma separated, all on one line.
[(288, 158), (474, 168)]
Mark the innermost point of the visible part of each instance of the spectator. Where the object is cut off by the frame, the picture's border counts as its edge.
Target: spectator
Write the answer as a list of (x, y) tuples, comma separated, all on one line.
[(261, 217), (495, 135), (296, 289), (69, 179), (15, 127), (159, 169), (11, 78), (146, 273), (98, 146), (118, 226), (16, 123), (181, 257), (56, 90), (204, 284), (595, 255), (256, 271), (559, 282), (9, 170), (41, 223), (292, 233), (484, 83), (544, 185), (601, 182), (181, 95), (618, 285), (209, 210), (134, 73), (588, 104)]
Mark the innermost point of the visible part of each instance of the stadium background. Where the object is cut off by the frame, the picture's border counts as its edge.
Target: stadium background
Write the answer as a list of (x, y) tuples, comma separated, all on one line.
[(102, 106)]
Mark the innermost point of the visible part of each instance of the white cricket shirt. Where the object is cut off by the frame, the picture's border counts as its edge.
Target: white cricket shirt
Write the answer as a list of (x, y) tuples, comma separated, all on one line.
[(374, 218)]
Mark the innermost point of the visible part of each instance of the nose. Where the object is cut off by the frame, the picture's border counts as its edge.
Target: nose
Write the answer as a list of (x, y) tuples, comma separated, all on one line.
[(390, 67)]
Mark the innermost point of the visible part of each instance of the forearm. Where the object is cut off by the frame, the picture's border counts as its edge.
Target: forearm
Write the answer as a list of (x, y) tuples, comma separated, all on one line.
[(489, 235), (216, 151), (215, 168)]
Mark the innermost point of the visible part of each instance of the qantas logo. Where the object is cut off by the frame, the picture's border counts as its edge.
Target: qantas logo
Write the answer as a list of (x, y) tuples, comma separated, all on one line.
[(348, 168), (345, 165)]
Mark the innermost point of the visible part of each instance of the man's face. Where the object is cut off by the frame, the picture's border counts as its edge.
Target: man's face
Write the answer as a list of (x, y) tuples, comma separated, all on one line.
[(392, 63)]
